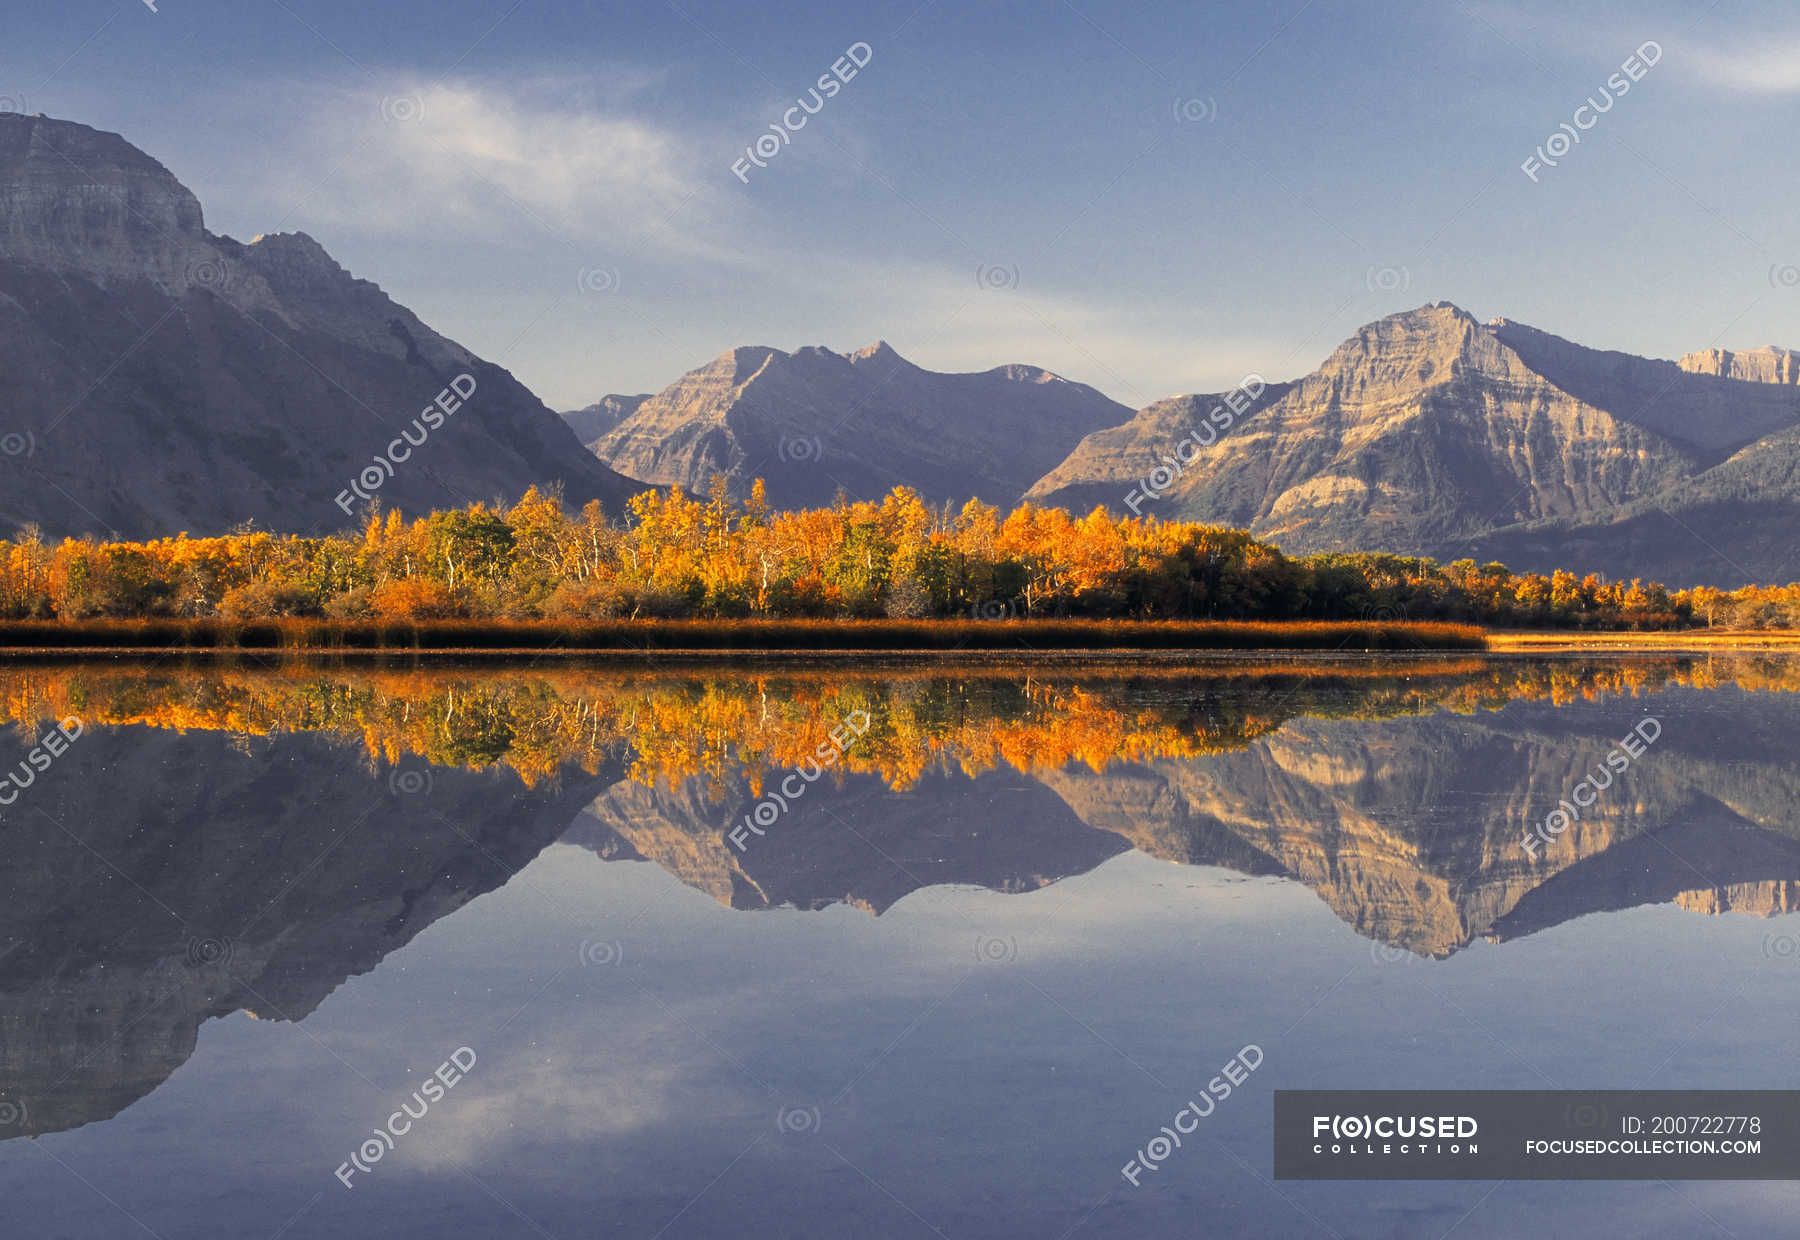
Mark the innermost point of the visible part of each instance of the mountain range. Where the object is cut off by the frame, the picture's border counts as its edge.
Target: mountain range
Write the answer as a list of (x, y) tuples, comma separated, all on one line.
[(156, 377), (813, 422), (1426, 433)]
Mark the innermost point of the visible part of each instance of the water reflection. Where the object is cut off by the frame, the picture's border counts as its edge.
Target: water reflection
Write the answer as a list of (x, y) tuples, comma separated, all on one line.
[(231, 840)]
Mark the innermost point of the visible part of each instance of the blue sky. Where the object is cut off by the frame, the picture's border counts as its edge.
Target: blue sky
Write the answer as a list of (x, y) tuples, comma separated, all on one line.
[(1152, 198)]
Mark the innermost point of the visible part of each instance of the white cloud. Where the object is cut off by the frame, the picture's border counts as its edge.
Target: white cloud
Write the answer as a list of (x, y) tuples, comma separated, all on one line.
[(572, 166), (1744, 55), (460, 197), (1768, 67), (472, 158), (567, 1095)]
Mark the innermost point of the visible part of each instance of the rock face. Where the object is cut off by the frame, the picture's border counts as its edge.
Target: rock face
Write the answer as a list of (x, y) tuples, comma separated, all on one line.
[(592, 424), (1765, 365), (814, 421), (1431, 433), (157, 378), (1108, 465)]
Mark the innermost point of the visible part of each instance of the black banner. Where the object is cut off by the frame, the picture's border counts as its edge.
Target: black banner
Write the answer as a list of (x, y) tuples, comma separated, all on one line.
[(1537, 1134)]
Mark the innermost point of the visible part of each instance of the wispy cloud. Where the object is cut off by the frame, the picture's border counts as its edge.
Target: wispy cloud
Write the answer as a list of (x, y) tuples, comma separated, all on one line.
[(469, 143), (1770, 67), (1743, 56), (505, 178), (471, 156)]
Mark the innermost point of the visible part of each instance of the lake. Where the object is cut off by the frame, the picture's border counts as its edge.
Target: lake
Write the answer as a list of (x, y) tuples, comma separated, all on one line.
[(307, 951)]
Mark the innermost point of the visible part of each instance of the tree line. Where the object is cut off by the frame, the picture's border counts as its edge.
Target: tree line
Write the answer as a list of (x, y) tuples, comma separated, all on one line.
[(676, 556)]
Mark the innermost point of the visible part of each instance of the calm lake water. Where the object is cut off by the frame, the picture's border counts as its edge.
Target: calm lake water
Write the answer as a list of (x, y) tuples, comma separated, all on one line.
[(735, 952)]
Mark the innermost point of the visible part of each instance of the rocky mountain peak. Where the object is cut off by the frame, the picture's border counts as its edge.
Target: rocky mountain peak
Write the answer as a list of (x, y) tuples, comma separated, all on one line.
[(1440, 320), (881, 350), (1413, 348), (77, 198), (296, 253), (1017, 373), (814, 421), (744, 362)]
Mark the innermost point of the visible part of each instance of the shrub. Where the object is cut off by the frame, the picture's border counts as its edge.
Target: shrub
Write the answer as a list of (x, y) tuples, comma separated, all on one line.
[(413, 598)]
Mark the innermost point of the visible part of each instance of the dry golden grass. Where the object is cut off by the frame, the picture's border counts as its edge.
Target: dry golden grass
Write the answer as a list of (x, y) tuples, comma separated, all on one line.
[(667, 636), (1685, 639)]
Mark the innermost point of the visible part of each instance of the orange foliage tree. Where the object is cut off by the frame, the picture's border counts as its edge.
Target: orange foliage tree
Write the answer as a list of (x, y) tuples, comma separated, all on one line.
[(675, 555)]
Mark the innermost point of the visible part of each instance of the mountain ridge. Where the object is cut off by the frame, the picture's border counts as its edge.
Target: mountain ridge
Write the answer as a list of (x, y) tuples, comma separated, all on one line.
[(258, 381), (1430, 433), (814, 421), (591, 422), (1426, 432)]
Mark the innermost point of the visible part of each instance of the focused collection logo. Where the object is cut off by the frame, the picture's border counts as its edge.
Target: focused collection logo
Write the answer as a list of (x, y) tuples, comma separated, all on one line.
[(1395, 1134)]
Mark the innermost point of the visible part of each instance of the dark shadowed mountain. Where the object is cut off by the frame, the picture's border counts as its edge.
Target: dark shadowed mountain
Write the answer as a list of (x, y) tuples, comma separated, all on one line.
[(940, 832), (814, 421), (1431, 433), (169, 879), (157, 378)]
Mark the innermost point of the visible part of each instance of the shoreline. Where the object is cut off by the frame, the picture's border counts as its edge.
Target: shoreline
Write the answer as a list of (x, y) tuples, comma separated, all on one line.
[(1503, 641), (776, 643), (1004, 656), (729, 640)]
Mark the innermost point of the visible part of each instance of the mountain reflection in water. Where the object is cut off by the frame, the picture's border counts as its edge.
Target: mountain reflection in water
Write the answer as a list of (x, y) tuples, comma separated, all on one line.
[(225, 838)]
